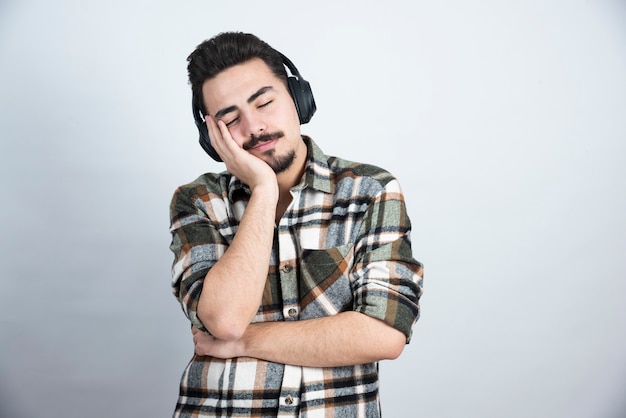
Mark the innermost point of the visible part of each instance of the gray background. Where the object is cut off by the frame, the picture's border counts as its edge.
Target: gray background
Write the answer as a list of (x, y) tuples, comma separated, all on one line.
[(505, 122)]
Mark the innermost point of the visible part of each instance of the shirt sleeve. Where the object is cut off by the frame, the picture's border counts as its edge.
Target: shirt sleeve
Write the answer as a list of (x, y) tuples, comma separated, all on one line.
[(388, 280), (196, 244)]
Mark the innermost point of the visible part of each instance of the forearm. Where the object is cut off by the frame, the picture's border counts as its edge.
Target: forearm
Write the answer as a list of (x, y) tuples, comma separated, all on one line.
[(233, 287), (348, 338)]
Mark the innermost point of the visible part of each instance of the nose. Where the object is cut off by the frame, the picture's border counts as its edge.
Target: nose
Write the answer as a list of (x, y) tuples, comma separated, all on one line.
[(254, 124)]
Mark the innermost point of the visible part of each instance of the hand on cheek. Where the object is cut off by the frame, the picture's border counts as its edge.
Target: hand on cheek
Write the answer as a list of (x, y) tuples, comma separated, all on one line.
[(248, 168), (219, 136)]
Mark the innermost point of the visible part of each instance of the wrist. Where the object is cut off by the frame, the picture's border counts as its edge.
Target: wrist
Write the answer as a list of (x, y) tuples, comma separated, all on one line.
[(266, 191), (247, 341)]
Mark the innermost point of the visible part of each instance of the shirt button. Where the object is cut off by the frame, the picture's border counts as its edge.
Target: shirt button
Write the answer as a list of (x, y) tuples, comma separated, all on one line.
[(289, 400), (292, 312), (287, 268)]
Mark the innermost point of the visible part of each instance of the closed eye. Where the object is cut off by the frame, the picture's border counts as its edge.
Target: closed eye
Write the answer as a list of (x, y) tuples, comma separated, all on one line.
[(266, 103), (232, 122)]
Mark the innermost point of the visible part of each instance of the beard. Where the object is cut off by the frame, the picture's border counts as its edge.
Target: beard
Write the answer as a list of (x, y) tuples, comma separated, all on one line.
[(278, 163)]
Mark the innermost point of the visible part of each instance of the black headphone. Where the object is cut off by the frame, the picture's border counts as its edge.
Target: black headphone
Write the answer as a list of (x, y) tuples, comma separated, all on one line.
[(300, 91)]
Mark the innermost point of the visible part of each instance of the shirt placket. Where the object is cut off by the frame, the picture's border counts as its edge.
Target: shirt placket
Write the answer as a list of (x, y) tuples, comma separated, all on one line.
[(290, 395)]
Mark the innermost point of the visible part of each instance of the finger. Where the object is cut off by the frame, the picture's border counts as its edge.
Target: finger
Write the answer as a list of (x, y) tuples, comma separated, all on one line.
[(221, 138), (215, 134), (227, 142)]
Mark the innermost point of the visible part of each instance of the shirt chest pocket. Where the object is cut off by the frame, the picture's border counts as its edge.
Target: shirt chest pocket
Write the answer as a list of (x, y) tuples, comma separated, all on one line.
[(325, 287)]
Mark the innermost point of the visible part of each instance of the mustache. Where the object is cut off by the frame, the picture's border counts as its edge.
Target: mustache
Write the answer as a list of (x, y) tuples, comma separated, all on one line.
[(255, 140)]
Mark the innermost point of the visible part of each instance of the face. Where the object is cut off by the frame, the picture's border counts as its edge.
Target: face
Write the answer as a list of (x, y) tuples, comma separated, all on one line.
[(259, 112)]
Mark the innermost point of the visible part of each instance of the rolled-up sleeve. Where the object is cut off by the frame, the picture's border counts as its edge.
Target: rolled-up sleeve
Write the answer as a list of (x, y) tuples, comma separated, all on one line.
[(196, 244), (388, 280)]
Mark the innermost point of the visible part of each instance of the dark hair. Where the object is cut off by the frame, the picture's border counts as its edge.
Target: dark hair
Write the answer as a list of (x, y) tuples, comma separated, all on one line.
[(226, 50)]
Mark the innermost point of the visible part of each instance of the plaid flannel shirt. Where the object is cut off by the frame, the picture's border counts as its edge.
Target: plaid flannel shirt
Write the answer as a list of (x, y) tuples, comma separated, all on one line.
[(342, 244)]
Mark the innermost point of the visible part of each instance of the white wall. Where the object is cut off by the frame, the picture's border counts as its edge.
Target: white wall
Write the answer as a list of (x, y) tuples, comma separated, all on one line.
[(505, 122)]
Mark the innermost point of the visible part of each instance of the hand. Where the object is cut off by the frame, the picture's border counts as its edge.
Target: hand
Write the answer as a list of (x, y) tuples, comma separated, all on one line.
[(251, 170), (207, 345)]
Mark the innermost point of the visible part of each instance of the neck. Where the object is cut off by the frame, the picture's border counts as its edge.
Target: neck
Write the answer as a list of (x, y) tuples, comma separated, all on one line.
[(289, 179), (293, 175)]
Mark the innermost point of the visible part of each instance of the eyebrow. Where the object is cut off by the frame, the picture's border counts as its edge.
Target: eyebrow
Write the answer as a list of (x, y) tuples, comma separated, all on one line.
[(222, 112)]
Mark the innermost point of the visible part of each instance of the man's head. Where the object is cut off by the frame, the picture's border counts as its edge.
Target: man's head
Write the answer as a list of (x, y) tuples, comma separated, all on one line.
[(224, 51), (215, 72), (240, 80)]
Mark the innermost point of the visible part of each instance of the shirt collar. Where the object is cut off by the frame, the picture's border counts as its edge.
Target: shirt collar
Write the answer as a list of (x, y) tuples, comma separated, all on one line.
[(317, 173)]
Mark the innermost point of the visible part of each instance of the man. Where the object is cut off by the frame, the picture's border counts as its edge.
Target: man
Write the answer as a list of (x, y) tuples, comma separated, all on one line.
[(294, 268)]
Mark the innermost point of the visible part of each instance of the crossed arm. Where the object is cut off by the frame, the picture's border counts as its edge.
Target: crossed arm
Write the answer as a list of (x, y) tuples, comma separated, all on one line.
[(344, 339)]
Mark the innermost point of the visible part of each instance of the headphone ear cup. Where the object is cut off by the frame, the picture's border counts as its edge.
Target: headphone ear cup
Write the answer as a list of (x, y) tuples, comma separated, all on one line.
[(205, 141), (303, 98)]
